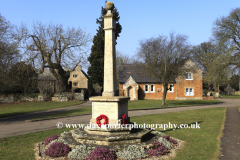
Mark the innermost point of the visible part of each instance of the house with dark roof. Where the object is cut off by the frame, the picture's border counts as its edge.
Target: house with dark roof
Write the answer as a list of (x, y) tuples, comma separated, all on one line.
[(47, 82), (78, 79), (136, 83)]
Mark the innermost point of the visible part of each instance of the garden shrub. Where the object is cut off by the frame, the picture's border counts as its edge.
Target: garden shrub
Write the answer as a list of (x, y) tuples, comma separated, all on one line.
[(57, 149), (50, 138), (157, 149), (167, 137), (81, 152), (53, 141), (165, 143), (132, 152), (101, 152)]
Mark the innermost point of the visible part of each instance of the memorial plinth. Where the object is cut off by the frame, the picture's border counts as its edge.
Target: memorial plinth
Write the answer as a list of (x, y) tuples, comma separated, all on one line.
[(112, 107)]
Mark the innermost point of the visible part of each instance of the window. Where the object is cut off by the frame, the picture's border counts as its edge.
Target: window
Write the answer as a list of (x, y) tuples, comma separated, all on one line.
[(170, 87), (189, 92), (75, 84), (152, 88), (146, 88), (189, 76), (75, 76)]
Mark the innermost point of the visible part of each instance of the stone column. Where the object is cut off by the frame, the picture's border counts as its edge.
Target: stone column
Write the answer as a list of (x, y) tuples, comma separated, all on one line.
[(108, 104), (109, 86)]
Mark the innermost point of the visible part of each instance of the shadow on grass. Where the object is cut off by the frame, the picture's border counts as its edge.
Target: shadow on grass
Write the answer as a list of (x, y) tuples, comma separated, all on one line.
[(175, 105), (20, 116)]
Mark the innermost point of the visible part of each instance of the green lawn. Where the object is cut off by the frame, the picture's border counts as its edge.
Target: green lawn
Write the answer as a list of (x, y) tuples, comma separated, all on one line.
[(203, 143), (141, 104), (230, 96), (28, 107), (200, 143)]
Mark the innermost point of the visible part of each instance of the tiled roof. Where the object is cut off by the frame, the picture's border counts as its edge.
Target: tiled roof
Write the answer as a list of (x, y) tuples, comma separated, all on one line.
[(137, 72)]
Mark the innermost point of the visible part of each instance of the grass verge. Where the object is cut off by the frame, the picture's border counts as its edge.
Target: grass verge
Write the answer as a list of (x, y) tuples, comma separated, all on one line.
[(230, 96), (200, 143), (141, 104), (22, 108)]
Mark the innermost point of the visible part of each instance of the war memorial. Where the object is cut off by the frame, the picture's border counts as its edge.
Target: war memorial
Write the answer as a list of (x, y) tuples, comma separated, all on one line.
[(110, 125)]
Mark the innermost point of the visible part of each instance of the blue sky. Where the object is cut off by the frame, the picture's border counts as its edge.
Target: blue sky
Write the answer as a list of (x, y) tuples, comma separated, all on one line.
[(140, 19)]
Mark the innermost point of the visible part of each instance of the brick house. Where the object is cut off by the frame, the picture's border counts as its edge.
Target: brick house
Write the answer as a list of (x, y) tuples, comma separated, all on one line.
[(79, 79), (137, 85)]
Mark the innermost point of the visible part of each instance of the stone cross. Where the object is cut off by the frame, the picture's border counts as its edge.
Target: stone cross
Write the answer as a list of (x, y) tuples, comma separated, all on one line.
[(110, 86)]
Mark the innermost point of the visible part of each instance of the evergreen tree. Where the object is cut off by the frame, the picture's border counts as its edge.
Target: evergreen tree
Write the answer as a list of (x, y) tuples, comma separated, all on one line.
[(96, 58)]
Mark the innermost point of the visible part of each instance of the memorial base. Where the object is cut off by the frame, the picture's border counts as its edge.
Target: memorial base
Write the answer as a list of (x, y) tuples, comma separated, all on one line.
[(113, 107)]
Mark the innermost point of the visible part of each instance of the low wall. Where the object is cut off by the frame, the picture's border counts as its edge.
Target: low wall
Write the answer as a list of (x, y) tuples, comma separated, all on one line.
[(236, 93), (79, 96), (16, 98), (58, 98), (6, 99), (208, 98)]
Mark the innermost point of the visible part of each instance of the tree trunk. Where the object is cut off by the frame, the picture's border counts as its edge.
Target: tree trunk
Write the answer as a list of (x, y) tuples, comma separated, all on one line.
[(164, 95)]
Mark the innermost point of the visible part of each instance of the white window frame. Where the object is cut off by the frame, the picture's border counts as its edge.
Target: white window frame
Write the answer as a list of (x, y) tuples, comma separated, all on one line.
[(187, 76), (152, 91), (75, 83), (188, 91), (146, 88), (170, 87), (75, 75)]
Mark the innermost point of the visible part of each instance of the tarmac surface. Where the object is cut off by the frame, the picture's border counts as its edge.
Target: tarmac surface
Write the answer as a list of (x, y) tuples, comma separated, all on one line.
[(230, 142)]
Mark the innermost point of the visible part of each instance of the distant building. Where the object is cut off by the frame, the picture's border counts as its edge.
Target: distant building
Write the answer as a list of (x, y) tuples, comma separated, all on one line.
[(47, 82), (136, 84), (79, 79), (229, 89)]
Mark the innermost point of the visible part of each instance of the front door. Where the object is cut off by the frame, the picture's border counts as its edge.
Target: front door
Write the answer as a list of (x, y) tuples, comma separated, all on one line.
[(130, 93)]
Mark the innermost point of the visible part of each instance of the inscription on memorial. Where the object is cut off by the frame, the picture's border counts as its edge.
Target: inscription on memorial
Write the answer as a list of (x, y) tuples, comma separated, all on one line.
[(107, 108)]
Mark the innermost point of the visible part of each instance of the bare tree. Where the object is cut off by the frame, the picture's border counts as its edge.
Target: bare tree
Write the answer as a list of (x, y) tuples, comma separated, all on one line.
[(164, 57), (8, 54), (52, 46), (215, 62), (226, 32)]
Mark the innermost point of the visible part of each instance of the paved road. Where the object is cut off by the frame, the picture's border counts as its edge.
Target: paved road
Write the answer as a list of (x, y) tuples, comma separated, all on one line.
[(18, 127)]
